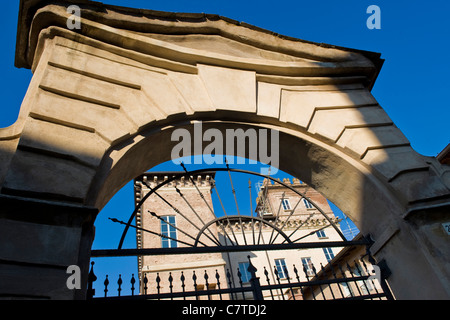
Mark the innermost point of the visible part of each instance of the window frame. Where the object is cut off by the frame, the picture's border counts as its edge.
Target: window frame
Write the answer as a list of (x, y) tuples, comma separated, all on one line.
[(246, 276), (169, 232), (329, 254), (321, 234), (286, 204), (281, 274), (364, 285), (309, 265), (308, 205), (347, 290)]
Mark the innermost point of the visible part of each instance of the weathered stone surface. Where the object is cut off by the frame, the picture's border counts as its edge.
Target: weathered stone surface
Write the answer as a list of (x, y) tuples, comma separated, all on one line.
[(193, 92), (39, 240), (48, 175), (360, 140), (82, 115), (7, 150), (332, 123), (446, 178), (83, 146), (93, 61), (129, 77), (269, 96), (22, 282), (230, 89), (298, 107), (411, 185), (164, 95), (392, 161), (39, 243)]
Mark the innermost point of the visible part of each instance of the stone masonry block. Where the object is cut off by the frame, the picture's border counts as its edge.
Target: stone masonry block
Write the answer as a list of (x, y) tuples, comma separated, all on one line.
[(39, 243), (192, 90), (38, 173), (87, 147), (269, 99), (230, 89), (391, 161), (84, 115), (360, 140), (298, 106), (89, 64), (331, 123)]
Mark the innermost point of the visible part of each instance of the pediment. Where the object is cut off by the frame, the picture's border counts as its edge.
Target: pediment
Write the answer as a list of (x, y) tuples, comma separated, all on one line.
[(190, 39), (225, 46)]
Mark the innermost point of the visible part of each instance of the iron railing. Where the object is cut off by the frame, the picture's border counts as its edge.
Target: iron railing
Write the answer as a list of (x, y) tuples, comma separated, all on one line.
[(332, 282)]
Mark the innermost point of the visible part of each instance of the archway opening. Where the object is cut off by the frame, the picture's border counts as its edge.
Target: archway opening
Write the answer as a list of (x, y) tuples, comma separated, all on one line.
[(239, 199)]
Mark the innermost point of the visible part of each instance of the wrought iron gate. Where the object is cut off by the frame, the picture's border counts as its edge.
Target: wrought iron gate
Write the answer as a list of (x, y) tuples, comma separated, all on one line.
[(335, 280), (336, 283)]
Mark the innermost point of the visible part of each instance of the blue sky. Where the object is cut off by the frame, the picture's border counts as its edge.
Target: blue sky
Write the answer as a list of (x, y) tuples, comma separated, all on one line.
[(412, 86)]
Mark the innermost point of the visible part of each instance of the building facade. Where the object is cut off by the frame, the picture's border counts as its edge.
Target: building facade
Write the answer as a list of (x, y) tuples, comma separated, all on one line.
[(172, 218), (351, 262), (302, 219), (181, 213)]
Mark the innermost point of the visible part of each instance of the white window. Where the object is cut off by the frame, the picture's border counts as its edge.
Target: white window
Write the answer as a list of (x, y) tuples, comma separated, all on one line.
[(245, 274), (364, 285), (328, 253), (321, 234), (286, 204), (308, 204), (308, 266), (346, 290), (168, 232), (280, 264)]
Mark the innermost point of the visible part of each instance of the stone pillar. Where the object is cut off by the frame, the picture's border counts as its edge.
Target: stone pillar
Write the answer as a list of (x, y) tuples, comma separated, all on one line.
[(38, 241), (432, 240), (415, 248)]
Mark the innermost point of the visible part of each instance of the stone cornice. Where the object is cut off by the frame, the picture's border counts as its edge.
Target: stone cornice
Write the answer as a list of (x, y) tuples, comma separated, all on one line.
[(132, 29)]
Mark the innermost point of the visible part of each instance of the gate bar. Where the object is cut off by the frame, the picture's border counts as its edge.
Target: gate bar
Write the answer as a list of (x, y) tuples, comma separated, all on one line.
[(191, 250)]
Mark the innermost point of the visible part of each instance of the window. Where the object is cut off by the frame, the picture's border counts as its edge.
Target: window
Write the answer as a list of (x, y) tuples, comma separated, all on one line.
[(308, 204), (263, 210), (364, 285), (346, 290), (245, 274), (328, 253), (168, 230), (321, 234), (308, 266), (280, 264), (286, 204)]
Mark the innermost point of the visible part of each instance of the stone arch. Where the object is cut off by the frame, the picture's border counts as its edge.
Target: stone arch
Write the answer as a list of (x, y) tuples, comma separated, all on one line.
[(104, 100), (307, 159)]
